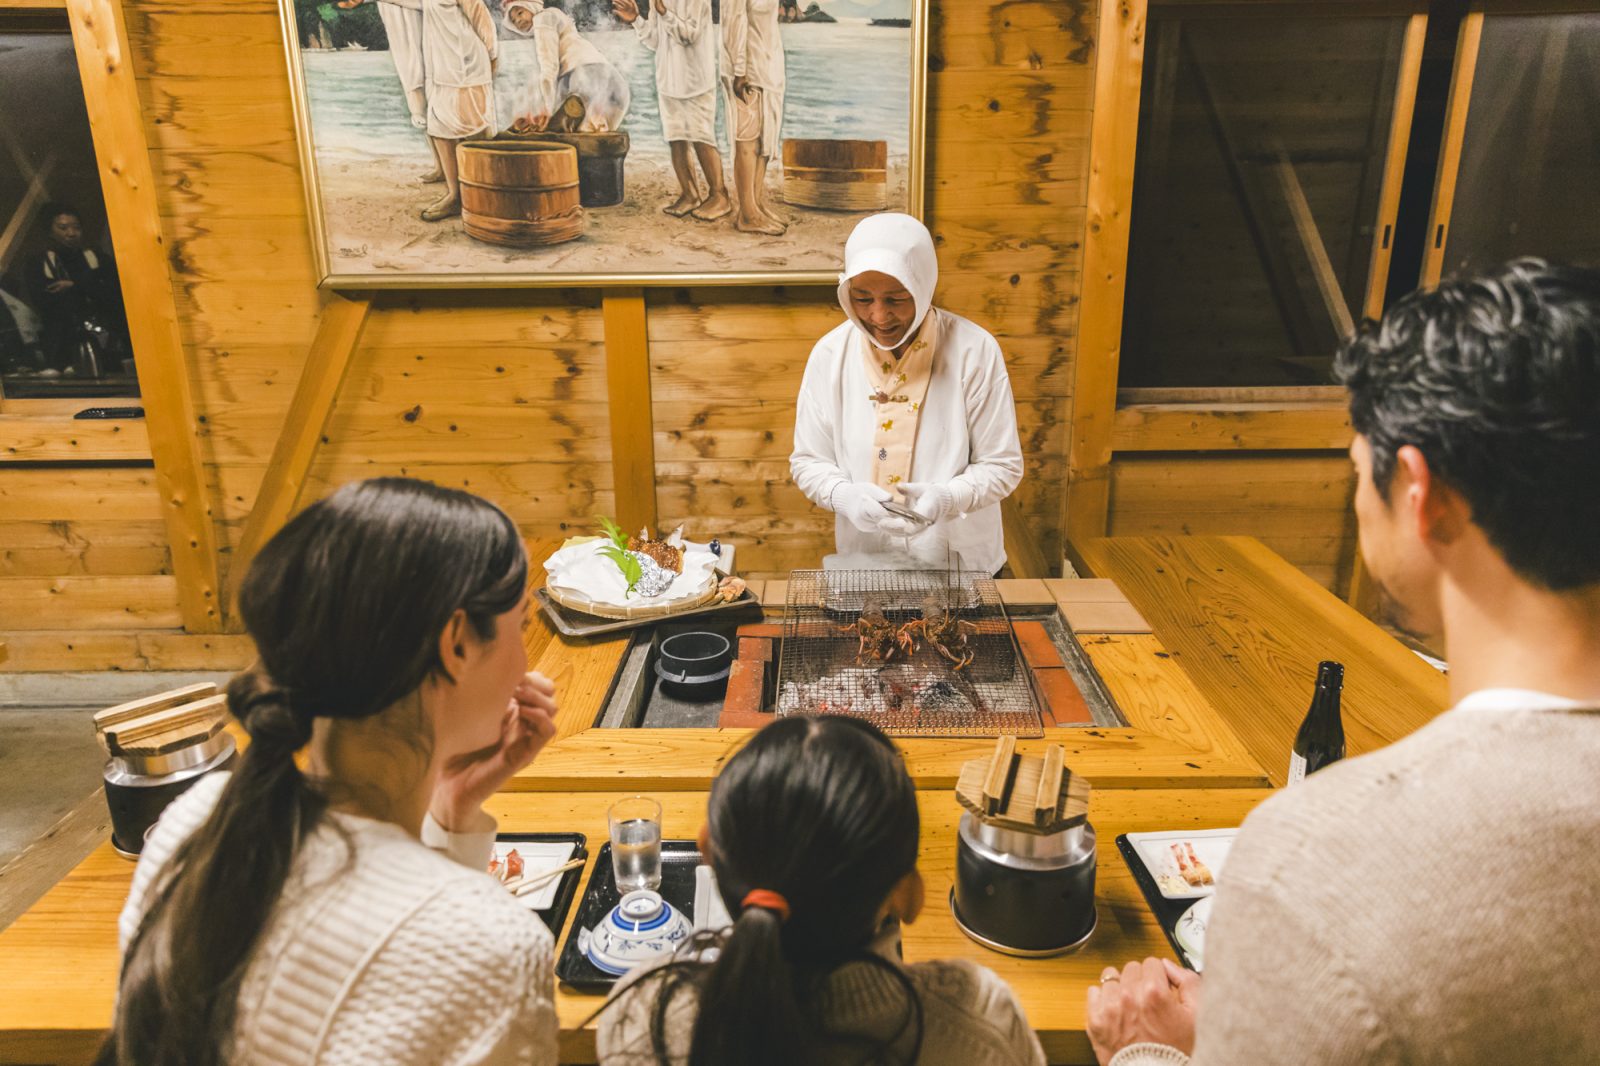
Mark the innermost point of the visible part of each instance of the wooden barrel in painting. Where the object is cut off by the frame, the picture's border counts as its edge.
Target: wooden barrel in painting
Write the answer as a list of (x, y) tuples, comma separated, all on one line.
[(836, 175), (519, 193)]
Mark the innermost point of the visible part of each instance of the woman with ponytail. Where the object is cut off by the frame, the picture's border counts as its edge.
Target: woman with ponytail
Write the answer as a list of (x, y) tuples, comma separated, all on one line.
[(812, 830), (327, 902)]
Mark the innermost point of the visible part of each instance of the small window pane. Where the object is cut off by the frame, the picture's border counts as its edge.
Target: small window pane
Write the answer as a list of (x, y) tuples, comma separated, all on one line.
[(1259, 165), (62, 328), (1530, 161)]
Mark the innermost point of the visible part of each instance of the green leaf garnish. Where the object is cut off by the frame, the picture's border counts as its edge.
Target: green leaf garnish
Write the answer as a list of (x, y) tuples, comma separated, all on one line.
[(613, 532), (627, 563)]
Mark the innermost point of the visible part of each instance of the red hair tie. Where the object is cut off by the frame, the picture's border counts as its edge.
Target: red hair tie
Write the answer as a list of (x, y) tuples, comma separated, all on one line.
[(767, 900)]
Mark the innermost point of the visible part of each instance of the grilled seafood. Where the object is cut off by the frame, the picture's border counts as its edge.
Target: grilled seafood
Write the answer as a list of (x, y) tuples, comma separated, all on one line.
[(944, 632), (880, 640)]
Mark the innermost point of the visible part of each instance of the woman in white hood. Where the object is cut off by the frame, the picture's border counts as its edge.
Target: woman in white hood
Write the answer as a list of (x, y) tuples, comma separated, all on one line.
[(569, 65), (905, 403)]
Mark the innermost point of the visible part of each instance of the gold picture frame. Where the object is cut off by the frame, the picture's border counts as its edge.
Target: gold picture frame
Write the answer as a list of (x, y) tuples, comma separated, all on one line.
[(337, 174)]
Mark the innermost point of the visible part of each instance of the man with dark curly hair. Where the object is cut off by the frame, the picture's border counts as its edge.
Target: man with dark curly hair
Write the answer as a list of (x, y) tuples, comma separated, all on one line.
[(1435, 901)]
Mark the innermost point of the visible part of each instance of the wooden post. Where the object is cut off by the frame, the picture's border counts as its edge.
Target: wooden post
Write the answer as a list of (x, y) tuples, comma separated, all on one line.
[(1455, 133), (111, 95), (338, 331), (633, 446), (1114, 131), (1361, 593), (1394, 165)]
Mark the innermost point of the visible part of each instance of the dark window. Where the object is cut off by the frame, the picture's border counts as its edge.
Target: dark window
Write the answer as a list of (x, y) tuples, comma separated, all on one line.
[(62, 328), (1261, 149)]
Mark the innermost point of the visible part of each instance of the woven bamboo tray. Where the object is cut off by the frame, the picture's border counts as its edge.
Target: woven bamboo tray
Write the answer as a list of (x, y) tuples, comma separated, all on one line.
[(640, 613)]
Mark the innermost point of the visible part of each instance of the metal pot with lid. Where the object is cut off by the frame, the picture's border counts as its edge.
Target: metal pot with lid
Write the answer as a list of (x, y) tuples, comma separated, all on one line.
[(1025, 854), (159, 747)]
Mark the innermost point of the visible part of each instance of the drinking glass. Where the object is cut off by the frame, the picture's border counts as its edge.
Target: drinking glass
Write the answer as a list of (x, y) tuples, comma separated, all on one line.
[(636, 843)]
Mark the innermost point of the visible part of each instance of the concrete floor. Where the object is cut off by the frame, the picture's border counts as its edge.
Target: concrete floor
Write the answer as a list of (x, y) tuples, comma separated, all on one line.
[(49, 763)]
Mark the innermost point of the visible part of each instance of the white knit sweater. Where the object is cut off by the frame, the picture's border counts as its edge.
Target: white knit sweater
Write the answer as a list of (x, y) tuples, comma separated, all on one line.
[(381, 949)]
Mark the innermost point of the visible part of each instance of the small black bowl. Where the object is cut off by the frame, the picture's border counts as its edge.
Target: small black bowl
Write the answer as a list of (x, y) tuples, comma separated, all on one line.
[(694, 666)]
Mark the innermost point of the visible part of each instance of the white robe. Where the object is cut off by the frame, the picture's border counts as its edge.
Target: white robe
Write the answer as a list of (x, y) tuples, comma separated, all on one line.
[(686, 69), (686, 58), (460, 81), (967, 435), (752, 47), (402, 23)]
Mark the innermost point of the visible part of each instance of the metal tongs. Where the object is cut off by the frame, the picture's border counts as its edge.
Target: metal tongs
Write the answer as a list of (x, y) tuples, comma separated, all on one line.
[(906, 513)]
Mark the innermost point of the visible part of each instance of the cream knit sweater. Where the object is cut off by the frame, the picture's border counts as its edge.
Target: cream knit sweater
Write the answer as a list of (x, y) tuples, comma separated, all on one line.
[(1437, 901), (970, 1016), (382, 951)]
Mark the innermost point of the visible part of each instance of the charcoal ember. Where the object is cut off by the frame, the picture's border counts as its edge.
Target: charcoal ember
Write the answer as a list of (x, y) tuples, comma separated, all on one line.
[(654, 579)]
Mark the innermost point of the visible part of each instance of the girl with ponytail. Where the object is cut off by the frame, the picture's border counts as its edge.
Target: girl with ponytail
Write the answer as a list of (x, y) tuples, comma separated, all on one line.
[(812, 830), (327, 901)]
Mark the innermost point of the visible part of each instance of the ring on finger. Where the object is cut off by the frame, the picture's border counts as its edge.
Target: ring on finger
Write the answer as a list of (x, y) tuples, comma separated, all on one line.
[(1110, 975)]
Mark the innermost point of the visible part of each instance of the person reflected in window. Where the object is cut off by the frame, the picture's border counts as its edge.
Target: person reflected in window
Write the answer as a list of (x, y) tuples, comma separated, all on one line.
[(19, 336), (75, 291)]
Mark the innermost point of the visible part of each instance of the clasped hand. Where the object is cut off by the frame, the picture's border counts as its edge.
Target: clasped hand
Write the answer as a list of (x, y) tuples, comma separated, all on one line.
[(1149, 1002)]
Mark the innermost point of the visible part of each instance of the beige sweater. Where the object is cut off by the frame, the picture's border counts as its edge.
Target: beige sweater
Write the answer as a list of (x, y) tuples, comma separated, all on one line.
[(1434, 902), (970, 1017)]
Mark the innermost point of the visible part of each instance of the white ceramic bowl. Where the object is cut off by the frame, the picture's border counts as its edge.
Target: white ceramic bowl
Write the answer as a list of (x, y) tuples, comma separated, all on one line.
[(640, 929)]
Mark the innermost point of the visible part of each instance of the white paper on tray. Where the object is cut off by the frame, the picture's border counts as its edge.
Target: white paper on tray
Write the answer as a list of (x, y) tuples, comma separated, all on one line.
[(1155, 851), (580, 568), (710, 913), (538, 856)]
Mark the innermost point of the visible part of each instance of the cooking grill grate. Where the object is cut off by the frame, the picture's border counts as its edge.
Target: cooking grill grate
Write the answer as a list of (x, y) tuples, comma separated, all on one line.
[(823, 667)]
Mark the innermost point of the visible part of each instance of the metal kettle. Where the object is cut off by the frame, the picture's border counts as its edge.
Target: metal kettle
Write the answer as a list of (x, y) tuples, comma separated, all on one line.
[(1025, 853)]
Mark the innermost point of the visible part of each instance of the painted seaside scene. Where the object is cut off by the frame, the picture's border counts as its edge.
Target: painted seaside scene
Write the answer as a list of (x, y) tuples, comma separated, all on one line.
[(484, 141)]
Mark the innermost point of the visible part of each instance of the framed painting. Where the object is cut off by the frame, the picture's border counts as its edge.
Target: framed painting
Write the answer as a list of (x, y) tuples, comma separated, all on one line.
[(471, 143)]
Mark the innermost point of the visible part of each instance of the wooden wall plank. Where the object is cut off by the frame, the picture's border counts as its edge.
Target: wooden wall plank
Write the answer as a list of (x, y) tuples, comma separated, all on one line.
[(1298, 504), (44, 549), (47, 651), (338, 331), (100, 39), (98, 602), (58, 437), (1232, 427)]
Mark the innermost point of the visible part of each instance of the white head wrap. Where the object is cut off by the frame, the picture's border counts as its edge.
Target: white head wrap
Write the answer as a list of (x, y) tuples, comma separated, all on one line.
[(896, 245), (533, 7)]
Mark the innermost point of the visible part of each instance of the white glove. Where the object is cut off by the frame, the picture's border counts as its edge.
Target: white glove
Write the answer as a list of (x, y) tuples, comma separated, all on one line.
[(861, 503), (931, 501)]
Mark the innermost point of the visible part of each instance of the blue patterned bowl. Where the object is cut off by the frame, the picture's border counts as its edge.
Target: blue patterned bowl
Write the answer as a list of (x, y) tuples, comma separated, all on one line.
[(640, 929)]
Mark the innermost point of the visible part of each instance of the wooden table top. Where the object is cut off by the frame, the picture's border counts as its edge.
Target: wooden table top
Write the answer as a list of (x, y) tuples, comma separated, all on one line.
[(58, 963), (1249, 629), (1213, 698)]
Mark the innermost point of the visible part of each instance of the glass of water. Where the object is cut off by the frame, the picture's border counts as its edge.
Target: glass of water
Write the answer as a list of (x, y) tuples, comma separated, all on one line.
[(636, 843)]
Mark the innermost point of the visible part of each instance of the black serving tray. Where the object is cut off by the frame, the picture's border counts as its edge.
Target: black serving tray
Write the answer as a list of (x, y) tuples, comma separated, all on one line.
[(555, 915), (571, 623), (1167, 911), (678, 860)]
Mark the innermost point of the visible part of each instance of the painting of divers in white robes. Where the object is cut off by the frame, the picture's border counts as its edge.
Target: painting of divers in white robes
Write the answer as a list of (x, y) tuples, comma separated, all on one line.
[(726, 140)]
